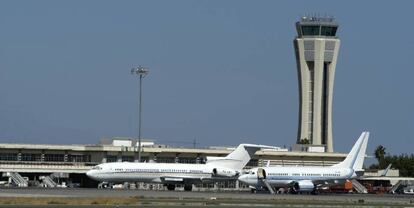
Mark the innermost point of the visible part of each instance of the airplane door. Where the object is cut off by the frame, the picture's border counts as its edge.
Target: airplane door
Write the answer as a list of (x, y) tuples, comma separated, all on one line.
[(261, 173)]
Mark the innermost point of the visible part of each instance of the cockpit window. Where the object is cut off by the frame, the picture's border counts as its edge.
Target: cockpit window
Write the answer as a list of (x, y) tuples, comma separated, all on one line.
[(97, 168)]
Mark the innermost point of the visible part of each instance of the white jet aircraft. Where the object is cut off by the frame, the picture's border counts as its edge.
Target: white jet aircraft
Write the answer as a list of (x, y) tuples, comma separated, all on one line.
[(172, 174), (307, 179)]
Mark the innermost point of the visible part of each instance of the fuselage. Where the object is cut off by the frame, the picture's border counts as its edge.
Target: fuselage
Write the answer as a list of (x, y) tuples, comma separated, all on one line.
[(308, 179), (281, 176), (147, 172), (216, 168)]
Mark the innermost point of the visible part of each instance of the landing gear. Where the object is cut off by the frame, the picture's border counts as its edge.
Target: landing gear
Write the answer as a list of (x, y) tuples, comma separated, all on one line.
[(295, 188), (292, 190), (171, 187), (104, 185), (188, 187)]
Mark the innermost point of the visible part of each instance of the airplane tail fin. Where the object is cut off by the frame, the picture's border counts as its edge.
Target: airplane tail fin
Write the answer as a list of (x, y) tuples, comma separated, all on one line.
[(355, 158), (238, 158)]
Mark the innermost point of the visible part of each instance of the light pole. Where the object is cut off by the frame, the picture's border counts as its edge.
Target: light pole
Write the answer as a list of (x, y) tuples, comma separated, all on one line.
[(142, 72)]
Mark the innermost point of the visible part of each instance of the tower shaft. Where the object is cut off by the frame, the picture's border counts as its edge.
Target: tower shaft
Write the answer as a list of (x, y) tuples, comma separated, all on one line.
[(316, 49)]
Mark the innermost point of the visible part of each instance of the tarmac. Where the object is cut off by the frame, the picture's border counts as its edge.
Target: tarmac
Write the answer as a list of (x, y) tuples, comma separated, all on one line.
[(219, 199)]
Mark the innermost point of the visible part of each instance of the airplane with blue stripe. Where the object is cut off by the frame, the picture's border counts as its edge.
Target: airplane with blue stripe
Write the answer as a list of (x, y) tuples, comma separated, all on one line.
[(308, 179)]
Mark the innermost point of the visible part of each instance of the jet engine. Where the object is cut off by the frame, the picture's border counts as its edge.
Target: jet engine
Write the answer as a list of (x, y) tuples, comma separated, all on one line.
[(225, 172), (303, 186)]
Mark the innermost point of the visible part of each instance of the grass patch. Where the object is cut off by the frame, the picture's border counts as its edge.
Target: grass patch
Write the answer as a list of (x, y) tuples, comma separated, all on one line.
[(68, 201), (55, 202)]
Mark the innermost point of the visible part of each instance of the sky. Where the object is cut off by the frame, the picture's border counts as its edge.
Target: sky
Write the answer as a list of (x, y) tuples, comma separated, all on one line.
[(221, 72)]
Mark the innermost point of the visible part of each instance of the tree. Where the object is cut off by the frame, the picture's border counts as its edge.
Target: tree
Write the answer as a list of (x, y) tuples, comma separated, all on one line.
[(380, 156), (304, 141), (403, 162)]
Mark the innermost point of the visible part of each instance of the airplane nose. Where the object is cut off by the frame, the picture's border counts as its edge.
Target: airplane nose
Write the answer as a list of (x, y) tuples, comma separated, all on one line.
[(244, 178), (90, 174)]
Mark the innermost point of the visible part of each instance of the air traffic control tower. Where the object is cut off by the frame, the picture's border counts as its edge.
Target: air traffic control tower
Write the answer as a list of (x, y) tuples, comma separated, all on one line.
[(316, 49)]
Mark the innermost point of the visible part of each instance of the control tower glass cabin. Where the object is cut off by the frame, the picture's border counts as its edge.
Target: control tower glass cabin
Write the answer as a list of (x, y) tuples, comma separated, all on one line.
[(316, 50)]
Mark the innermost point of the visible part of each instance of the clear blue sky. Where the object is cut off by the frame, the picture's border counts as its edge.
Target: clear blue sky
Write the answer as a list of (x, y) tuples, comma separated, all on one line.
[(221, 72)]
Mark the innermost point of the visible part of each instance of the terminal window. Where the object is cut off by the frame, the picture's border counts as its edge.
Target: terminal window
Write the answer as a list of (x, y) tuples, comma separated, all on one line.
[(111, 158), (144, 159), (253, 163), (79, 158), (187, 160), (8, 156), (127, 159), (165, 159), (54, 157), (31, 157)]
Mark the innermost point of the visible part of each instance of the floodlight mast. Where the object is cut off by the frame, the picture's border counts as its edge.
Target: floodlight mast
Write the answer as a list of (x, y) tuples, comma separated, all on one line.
[(141, 72)]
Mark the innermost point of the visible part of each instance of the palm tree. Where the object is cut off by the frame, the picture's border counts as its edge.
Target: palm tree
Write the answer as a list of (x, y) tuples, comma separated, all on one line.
[(304, 141), (380, 156)]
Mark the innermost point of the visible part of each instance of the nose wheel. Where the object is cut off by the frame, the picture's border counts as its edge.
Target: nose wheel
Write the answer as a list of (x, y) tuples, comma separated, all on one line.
[(104, 185)]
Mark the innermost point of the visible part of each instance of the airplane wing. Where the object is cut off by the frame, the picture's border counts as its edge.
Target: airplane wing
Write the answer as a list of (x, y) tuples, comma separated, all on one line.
[(181, 180), (321, 183), (384, 173), (189, 180), (387, 178), (178, 180), (384, 177), (360, 174)]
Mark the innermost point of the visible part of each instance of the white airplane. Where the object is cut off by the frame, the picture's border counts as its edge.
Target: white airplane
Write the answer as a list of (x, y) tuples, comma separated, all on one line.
[(308, 179), (172, 174)]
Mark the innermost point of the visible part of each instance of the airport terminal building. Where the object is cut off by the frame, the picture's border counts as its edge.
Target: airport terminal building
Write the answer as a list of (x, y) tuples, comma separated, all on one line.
[(55, 165)]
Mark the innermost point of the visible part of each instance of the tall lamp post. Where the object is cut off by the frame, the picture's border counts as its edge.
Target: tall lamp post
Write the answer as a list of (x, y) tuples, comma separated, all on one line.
[(141, 72)]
